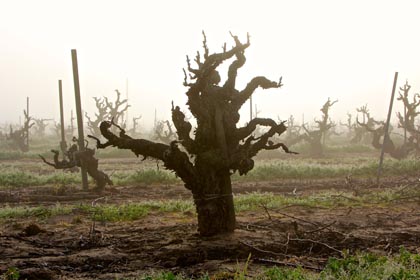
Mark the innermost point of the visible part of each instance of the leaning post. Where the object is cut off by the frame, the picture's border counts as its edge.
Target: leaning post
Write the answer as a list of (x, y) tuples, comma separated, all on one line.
[(63, 144), (27, 128), (386, 136), (81, 138)]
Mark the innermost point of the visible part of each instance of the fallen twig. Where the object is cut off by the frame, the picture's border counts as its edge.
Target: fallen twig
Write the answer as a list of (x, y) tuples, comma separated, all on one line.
[(264, 251), (266, 210), (321, 228), (298, 219), (257, 226), (317, 242), (96, 200)]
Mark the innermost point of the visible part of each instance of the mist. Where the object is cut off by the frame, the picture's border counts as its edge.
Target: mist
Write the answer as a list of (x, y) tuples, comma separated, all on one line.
[(345, 51)]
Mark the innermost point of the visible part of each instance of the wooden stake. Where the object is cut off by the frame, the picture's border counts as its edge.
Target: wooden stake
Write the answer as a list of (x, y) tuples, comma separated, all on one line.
[(63, 144), (155, 121), (386, 136), (126, 93), (27, 129), (71, 123), (250, 108), (81, 138), (405, 124)]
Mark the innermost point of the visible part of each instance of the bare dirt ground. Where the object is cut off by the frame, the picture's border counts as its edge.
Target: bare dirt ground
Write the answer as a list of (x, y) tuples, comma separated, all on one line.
[(61, 248)]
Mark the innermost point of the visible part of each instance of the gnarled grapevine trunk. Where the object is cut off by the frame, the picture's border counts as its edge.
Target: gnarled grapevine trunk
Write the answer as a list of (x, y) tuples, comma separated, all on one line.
[(214, 204), (219, 148), (74, 158)]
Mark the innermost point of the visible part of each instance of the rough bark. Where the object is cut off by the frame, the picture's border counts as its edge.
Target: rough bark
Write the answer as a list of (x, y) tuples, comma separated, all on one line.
[(214, 203), (219, 148)]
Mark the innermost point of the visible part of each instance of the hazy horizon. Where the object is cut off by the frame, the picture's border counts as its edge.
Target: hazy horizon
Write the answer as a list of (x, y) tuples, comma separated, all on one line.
[(347, 51)]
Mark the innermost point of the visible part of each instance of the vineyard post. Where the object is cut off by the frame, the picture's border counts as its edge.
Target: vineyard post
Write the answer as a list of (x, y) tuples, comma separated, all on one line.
[(71, 123), (27, 128), (405, 124), (126, 93), (63, 144), (386, 136), (155, 121), (81, 138), (250, 108)]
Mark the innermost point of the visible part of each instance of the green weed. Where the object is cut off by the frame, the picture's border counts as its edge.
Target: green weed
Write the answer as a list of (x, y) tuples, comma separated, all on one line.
[(148, 176), (12, 273), (362, 266), (404, 265), (286, 274)]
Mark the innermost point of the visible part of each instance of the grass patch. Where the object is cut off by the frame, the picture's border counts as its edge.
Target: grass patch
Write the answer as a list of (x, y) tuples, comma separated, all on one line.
[(114, 153), (134, 211), (404, 265), (100, 212), (40, 212), (13, 175), (147, 176), (317, 170), (362, 266), (245, 202), (17, 178), (25, 179)]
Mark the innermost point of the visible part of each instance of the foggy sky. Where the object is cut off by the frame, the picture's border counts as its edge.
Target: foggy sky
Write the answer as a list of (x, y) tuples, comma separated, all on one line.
[(346, 50)]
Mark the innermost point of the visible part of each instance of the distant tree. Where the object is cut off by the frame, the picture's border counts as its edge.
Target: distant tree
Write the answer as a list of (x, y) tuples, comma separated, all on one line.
[(57, 131), (377, 131), (133, 130), (361, 132), (350, 125), (219, 147), (293, 132), (40, 127), (164, 132), (407, 119), (100, 115), (397, 152), (316, 137), (20, 138), (106, 109), (117, 108)]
